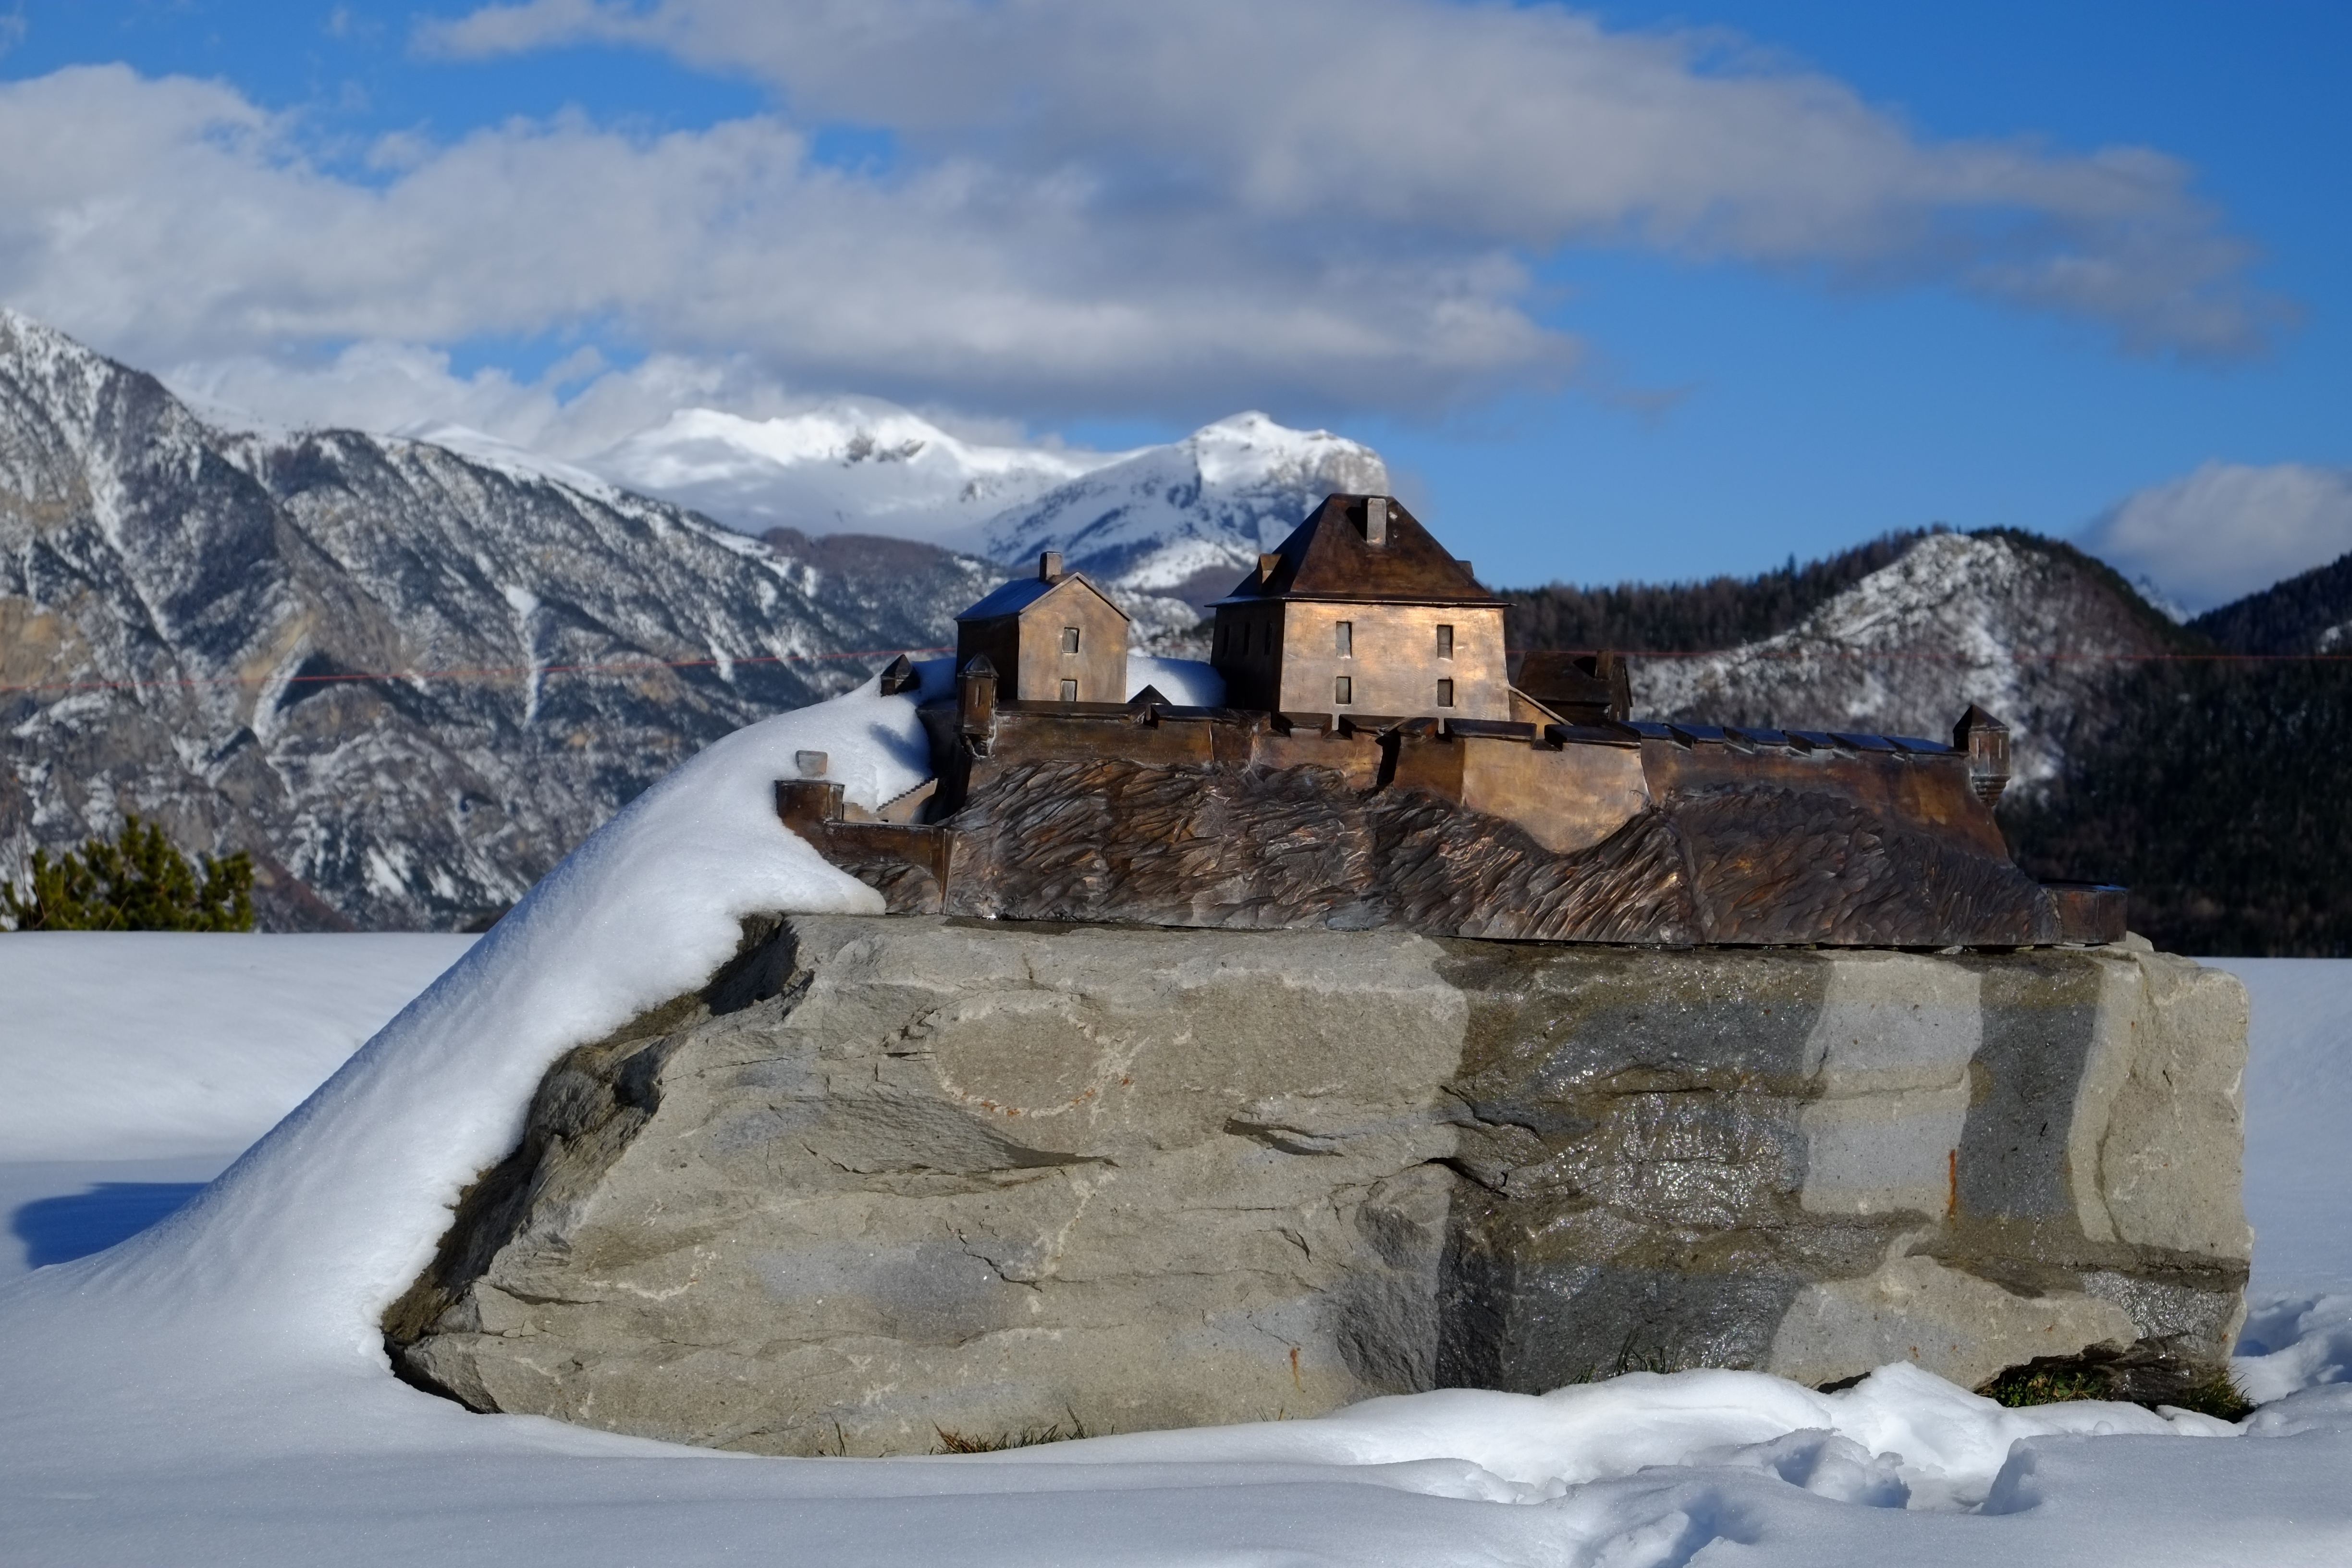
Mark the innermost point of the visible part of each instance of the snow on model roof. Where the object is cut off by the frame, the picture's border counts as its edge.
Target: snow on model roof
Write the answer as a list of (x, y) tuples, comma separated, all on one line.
[(217, 1390)]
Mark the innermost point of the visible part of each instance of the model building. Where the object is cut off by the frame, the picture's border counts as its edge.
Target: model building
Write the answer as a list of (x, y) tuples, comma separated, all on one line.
[(1373, 765)]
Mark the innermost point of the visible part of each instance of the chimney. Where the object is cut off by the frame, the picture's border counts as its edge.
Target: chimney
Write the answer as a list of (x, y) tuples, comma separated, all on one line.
[(1049, 566), (1375, 520), (1266, 567)]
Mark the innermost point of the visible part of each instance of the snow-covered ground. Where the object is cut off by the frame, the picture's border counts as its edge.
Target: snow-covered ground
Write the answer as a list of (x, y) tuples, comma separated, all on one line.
[(140, 1064), (213, 1389), (144, 1045), (2298, 1110)]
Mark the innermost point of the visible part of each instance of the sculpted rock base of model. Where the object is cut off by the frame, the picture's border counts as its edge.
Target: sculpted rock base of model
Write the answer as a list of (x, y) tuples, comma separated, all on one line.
[(887, 1177)]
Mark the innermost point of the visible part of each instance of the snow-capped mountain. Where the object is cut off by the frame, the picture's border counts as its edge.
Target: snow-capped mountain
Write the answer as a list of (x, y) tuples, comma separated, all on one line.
[(407, 680), (1186, 520), (850, 465), (488, 450), (2029, 630), (1178, 523), (1163, 529)]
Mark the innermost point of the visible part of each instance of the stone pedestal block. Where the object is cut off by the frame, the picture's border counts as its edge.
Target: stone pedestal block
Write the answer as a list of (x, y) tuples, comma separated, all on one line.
[(888, 1177)]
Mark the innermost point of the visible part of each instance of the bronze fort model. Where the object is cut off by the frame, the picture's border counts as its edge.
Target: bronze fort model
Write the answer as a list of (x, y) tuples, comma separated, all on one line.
[(1375, 766)]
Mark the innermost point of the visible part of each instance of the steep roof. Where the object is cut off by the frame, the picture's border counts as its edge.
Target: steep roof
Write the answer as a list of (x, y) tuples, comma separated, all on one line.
[(1012, 598), (1327, 557)]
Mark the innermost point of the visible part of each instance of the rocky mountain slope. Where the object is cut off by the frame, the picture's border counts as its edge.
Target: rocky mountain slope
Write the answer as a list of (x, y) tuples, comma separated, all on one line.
[(408, 676), (2148, 753), (2032, 629), (408, 680)]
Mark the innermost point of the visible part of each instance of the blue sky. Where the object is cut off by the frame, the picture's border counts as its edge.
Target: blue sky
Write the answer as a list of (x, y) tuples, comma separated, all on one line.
[(1816, 416), (1757, 304)]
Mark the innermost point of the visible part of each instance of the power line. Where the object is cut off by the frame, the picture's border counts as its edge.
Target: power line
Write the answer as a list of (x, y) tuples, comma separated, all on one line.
[(477, 672)]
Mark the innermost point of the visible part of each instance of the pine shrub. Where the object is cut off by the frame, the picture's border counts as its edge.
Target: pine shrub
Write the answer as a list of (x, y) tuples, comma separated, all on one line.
[(139, 881)]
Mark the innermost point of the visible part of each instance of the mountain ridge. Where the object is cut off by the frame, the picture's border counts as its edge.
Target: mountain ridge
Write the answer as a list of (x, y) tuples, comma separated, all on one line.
[(406, 681), (2032, 632), (1178, 521), (2308, 613), (1187, 521), (1705, 615), (2151, 754), (408, 677)]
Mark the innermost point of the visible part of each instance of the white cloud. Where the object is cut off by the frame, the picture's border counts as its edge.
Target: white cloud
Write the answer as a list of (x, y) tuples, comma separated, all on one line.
[(578, 409), (1382, 121), (1101, 208), (2229, 529), (171, 221), (372, 385)]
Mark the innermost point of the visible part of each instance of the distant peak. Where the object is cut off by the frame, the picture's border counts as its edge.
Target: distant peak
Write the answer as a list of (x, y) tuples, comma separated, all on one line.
[(1253, 427), (504, 456), (19, 322), (48, 339)]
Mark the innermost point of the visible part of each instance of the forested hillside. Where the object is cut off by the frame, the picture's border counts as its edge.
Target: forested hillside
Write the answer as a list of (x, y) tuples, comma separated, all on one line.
[(2163, 757), (1693, 617), (2215, 790), (2215, 786), (2309, 614)]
